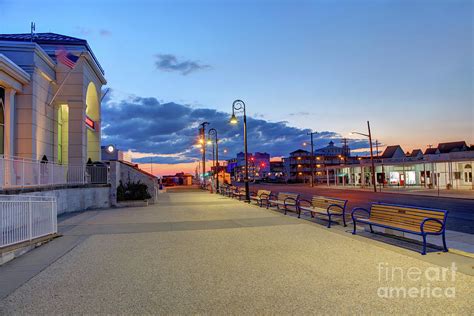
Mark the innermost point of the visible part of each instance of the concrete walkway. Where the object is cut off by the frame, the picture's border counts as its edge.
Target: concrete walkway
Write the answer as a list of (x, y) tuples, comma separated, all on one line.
[(200, 253)]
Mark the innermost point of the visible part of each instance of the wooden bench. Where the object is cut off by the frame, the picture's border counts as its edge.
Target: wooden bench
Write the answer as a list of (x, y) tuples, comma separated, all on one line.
[(326, 206), (223, 189), (239, 192), (230, 191), (260, 196), (410, 219), (285, 199)]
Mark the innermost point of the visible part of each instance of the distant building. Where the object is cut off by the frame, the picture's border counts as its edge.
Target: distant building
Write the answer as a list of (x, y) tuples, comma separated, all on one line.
[(258, 164), (333, 151), (111, 153), (297, 167), (452, 147), (277, 170), (416, 153), (179, 178), (431, 151), (448, 166), (393, 152)]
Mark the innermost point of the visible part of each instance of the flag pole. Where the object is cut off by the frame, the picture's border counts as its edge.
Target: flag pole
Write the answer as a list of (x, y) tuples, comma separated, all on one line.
[(64, 81), (106, 91)]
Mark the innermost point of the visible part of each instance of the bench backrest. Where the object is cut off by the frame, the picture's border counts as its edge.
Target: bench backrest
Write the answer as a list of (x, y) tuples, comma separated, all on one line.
[(284, 195), (325, 202), (408, 217), (264, 193)]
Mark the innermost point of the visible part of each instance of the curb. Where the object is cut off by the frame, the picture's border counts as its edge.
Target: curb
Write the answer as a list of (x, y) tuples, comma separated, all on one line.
[(462, 253)]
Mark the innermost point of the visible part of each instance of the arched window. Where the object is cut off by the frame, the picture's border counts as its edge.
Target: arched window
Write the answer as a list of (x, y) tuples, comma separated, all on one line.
[(2, 121)]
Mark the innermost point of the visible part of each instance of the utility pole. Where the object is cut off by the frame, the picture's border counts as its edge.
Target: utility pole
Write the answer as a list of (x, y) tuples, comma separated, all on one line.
[(345, 151), (377, 147), (372, 158)]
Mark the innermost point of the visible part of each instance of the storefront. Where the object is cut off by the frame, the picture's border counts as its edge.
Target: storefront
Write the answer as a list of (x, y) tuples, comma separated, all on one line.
[(444, 171)]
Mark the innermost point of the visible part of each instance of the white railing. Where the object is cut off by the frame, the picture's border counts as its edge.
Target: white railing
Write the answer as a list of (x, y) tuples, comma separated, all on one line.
[(24, 218), (21, 173)]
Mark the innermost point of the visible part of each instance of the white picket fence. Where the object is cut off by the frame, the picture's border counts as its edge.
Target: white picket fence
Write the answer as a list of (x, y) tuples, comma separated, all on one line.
[(24, 218), (21, 173)]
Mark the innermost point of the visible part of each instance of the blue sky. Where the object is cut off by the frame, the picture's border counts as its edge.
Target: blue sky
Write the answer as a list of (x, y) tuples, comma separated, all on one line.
[(407, 66)]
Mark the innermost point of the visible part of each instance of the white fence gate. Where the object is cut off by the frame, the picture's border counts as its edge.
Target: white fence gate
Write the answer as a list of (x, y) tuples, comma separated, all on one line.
[(24, 218)]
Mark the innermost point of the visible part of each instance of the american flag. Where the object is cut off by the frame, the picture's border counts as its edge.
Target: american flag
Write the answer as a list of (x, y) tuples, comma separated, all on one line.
[(66, 58)]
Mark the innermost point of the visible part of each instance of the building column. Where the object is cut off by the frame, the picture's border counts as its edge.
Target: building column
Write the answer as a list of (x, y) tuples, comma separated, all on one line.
[(9, 113), (77, 147)]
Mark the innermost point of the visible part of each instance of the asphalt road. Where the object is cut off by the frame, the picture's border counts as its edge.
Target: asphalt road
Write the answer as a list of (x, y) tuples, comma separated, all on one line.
[(461, 211)]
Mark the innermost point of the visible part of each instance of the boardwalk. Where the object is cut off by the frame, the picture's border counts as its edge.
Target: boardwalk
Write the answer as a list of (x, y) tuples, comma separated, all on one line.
[(201, 253)]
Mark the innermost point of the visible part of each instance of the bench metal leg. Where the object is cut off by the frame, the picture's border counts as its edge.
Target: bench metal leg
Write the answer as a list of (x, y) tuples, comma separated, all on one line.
[(285, 209), (371, 229), (354, 230), (329, 222), (344, 219), (424, 245), (444, 242)]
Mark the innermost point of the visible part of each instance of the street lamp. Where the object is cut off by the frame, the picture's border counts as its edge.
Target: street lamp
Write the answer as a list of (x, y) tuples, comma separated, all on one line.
[(213, 132), (202, 140), (369, 135), (239, 105)]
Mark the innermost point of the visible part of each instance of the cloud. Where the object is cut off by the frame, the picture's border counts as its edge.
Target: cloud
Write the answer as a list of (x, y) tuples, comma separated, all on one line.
[(170, 63), (84, 31), (170, 131), (105, 33), (300, 114)]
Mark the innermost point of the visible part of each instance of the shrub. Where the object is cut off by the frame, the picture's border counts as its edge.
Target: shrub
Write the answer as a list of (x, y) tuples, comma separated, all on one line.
[(132, 191)]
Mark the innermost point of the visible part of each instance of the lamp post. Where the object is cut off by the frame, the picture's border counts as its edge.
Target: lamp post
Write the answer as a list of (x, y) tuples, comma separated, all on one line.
[(369, 135), (203, 138), (239, 105), (312, 158), (213, 132)]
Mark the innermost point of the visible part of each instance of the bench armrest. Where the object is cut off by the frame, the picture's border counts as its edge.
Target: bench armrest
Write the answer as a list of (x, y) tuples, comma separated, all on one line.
[(272, 197), (343, 209), (355, 210), (306, 201), (264, 196), (428, 219)]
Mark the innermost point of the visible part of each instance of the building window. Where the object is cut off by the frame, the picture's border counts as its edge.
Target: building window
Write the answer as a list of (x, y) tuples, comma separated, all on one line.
[(2, 121), (468, 174)]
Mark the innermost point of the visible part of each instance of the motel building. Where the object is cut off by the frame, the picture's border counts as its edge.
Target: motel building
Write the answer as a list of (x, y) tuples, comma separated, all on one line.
[(448, 166), (49, 111)]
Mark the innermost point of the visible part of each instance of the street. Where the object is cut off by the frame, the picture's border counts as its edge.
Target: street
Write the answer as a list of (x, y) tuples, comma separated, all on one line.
[(201, 253), (461, 211)]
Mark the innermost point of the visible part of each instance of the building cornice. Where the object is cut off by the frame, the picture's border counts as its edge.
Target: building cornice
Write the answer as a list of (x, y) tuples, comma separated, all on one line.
[(13, 70), (95, 67), (28, 47)]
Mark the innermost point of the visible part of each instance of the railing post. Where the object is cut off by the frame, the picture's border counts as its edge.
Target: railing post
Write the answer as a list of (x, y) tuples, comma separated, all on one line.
[(53, 216), (30, 216), (22, 173)]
